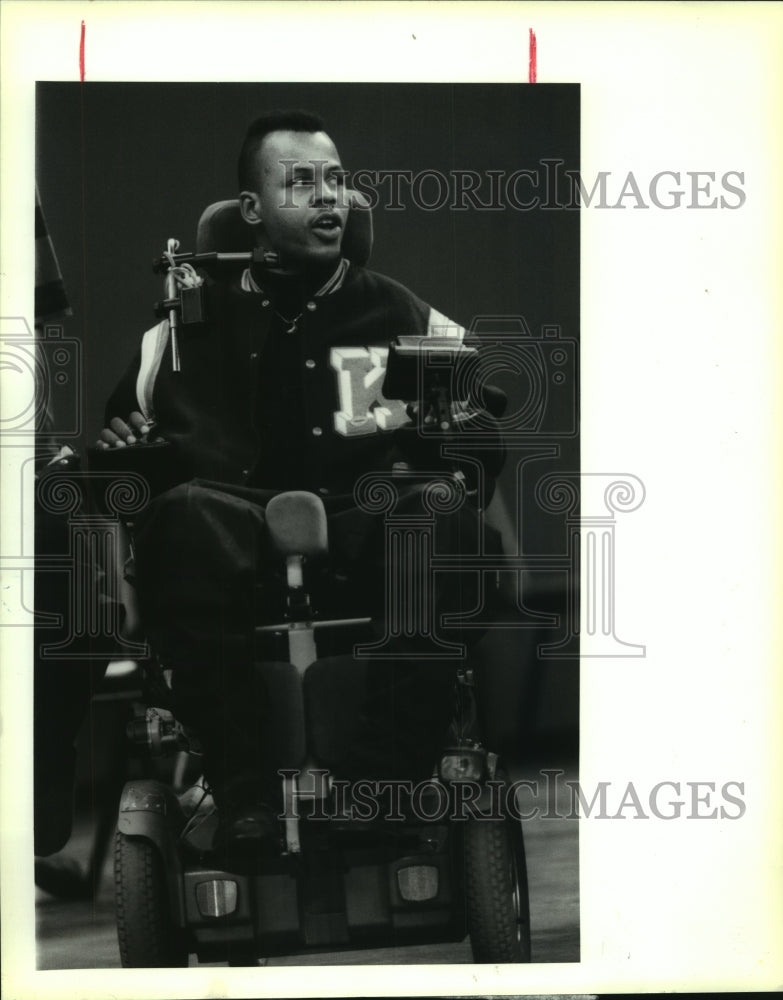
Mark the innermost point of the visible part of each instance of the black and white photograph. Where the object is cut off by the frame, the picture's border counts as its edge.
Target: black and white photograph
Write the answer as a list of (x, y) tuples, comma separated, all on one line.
[(389, 427), (323, 571)]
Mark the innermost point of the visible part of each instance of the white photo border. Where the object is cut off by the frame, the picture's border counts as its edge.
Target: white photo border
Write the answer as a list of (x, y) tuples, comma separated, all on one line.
[(680, 372)]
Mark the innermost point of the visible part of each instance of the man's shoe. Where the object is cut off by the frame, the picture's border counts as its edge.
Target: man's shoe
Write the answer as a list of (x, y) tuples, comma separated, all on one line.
[(248, 834), (63, 877)]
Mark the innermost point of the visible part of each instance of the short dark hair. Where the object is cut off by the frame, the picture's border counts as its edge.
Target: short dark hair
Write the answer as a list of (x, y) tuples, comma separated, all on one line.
[(271, 121)]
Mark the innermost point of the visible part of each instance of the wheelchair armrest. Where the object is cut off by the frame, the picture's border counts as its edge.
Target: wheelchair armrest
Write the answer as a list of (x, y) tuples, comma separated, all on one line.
[(155, 461)]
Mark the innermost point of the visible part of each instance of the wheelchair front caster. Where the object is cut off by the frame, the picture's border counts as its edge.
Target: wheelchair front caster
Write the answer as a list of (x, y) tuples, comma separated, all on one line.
[(146, 932), (496, 893)]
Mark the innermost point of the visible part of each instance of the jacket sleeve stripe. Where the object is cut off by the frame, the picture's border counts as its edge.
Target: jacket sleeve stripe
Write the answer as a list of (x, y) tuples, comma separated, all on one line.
[(441, 326), (153, 345)]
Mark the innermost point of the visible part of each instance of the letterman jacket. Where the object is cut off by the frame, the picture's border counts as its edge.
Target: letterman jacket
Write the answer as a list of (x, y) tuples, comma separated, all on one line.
[(257, 403)]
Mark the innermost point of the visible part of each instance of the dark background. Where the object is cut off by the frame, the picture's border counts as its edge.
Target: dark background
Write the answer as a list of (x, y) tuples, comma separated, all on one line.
[(123, 167)]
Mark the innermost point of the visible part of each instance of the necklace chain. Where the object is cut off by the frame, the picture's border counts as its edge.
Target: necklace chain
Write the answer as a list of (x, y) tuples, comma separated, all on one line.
[(291, 324)]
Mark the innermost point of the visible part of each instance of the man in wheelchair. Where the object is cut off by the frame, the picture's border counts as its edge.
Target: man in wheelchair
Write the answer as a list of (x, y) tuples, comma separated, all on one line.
[(274, 385)]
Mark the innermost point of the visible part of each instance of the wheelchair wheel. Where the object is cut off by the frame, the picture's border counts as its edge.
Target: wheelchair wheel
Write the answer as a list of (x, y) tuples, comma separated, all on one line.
[(146, 933), (496, 892)]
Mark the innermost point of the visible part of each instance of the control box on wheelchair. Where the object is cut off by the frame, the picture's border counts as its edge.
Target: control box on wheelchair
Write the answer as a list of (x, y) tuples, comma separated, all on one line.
[(361, 864)]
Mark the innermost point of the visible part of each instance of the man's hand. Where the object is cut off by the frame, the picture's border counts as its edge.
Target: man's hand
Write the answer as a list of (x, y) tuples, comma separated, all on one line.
[(121, 433)]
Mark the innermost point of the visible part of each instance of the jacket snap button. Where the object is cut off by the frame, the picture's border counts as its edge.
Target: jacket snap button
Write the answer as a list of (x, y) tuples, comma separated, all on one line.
[(317, 431)]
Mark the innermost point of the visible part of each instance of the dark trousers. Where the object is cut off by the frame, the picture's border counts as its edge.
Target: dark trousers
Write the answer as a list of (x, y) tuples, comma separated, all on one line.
[(205, 573), (63, 686)]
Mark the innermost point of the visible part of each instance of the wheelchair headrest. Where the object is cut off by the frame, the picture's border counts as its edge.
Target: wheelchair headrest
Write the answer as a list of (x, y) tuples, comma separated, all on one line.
[(221, 228)]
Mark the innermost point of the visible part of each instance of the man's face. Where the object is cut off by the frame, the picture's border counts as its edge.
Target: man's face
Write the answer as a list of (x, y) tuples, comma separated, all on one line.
[(301, 195)]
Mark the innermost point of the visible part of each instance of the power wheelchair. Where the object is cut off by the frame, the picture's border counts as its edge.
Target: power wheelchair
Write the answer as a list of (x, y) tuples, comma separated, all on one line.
[(348, 875)]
